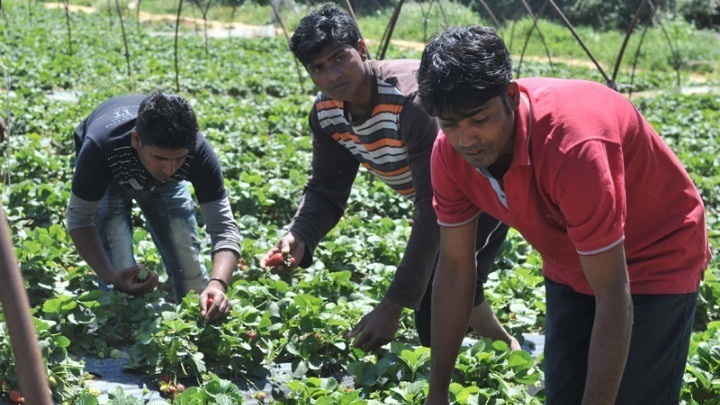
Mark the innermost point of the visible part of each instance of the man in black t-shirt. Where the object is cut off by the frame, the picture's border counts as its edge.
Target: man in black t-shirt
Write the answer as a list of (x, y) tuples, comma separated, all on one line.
[(145, 149)]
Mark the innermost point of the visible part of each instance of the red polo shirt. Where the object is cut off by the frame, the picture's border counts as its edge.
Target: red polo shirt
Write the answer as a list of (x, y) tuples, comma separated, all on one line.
[(588, 172)]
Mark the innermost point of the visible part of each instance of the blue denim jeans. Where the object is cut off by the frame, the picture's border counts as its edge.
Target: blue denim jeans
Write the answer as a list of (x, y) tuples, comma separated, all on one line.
[(169, 213), (661, 331)]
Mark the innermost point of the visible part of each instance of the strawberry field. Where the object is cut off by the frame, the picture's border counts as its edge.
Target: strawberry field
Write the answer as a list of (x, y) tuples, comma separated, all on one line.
[(253, 109)]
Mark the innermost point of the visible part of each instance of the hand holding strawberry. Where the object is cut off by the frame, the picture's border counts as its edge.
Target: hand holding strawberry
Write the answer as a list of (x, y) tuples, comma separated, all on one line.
[(285, 255), (280, 259), (214, 304)]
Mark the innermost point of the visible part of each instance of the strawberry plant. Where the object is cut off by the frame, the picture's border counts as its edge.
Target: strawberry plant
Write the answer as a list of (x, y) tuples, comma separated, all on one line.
[(702, 374), (253, 111), (500, 372), (64, 373)]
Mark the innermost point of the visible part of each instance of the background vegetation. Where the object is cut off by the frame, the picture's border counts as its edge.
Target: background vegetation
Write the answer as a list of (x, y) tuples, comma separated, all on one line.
[(253, 108)]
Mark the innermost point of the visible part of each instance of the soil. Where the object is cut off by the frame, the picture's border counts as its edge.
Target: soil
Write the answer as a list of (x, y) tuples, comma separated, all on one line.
[(168, 18)]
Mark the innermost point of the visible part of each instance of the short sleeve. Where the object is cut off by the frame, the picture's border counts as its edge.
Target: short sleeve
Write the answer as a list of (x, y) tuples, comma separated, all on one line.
[(92, 175), (206, 173), (451, 204), (590, 190)]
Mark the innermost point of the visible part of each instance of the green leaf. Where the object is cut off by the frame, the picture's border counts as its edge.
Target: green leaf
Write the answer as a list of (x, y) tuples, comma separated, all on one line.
[(199, 362)]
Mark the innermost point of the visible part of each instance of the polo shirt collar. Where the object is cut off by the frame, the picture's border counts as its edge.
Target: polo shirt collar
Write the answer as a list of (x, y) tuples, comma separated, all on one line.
[(521, 145), (523, 130)]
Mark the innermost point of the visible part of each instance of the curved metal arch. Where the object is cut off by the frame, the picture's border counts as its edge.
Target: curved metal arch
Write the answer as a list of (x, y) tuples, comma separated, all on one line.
[(527, 39)]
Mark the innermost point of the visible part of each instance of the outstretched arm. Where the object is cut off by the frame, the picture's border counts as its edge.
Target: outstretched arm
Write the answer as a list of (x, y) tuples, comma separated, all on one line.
[(326, 192), (224, 262), (612, 328), (226, 242), (452, 301), (88, 244)]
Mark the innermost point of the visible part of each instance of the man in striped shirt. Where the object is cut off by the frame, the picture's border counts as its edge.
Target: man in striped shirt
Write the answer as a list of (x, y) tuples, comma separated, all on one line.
[(367, 114)]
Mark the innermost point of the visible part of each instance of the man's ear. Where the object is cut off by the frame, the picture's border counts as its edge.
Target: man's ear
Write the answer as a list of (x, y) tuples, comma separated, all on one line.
[(363, 50), (513, 94), (135, 140)]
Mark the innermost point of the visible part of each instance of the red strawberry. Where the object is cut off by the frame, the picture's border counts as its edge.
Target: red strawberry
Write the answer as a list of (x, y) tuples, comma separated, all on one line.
[(16, 397), (252, 335), (208, 303), (165, 378), (280, 259)]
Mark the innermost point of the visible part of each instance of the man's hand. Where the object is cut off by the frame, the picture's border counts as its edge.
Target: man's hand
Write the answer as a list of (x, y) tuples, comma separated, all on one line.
[(128, 281), (378, 327), (214, 304), (292, 244)]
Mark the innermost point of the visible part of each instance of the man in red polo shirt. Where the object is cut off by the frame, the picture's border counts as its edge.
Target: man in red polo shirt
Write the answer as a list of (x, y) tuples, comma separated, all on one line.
[(579, 172)]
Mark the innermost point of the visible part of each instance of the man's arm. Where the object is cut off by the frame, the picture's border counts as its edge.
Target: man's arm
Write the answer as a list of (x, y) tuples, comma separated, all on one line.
[(224, 262), (610, 340), (88, 244), (419, 131), (225, 238), (30, 369), (80, 224), (326, 193), (410, 281), (452, 301), (90, 248)]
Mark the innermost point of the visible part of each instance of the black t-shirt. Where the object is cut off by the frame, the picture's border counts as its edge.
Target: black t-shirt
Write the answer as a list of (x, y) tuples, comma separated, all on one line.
[(105, 156)]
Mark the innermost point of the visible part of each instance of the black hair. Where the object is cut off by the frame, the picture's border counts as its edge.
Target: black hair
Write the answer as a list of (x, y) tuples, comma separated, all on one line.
[(167, 121), (461, 69), (326, 26)]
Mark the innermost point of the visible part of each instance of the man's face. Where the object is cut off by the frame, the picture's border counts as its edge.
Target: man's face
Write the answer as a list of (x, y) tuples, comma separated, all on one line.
[(488, 133), (339, 71), (160, 163)]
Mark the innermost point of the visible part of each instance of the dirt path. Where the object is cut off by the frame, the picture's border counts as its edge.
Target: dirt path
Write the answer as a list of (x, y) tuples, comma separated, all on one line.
[(213, 25), (219, 29)]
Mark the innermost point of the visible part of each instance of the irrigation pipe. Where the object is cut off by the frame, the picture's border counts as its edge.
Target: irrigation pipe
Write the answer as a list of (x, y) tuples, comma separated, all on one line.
[(582, 44), (634, 21), (287, 38), (177, 28), (127, 49), (529, 34), (540, 34), (385, 41)]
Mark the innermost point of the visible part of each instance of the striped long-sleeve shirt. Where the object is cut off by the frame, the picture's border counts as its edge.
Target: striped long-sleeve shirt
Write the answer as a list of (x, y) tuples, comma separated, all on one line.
[(394, 143)]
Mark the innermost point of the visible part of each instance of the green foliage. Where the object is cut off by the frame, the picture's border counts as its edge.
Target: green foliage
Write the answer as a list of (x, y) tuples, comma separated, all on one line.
[(66, 372), (253, 110), (701, 374), (502, 374)]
